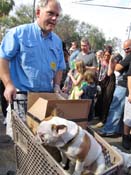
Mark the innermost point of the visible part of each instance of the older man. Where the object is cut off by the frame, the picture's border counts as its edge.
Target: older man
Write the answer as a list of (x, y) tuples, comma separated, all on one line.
[(31, 55)]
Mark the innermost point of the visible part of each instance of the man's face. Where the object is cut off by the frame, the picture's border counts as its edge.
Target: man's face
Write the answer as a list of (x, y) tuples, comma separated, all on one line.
[(99, 55), (85, 47), (127, 48), (73, 45), (47, 16)]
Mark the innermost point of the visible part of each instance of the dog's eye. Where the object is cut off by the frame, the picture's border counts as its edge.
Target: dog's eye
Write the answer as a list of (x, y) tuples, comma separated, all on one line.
[(42, 135)]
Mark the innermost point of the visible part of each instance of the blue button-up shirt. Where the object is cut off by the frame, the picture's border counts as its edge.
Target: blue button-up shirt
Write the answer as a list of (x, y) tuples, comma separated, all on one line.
[(34, 59)]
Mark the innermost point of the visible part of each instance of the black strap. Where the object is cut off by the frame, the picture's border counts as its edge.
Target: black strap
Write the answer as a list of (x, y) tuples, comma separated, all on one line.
[(33, 117)]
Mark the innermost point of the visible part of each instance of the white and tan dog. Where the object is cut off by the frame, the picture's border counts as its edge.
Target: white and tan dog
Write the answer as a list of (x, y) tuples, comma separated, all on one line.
[(74, 143)]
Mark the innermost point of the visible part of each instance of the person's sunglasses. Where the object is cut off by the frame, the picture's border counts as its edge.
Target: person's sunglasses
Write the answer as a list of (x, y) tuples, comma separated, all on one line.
[(126, 49)]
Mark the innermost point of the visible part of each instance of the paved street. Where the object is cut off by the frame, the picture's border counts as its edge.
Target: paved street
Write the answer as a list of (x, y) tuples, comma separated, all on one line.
[(7, 156), (113, 141)]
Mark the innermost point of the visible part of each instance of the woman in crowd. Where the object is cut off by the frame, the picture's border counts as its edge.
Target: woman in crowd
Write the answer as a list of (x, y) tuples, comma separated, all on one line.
[(106, 80)]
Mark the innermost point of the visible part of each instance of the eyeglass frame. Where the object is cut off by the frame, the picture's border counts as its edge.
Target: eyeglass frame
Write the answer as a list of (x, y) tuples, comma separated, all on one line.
[(126, 49)]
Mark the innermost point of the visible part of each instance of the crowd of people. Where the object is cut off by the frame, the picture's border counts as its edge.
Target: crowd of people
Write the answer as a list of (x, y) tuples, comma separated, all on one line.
[(33, 58), (102, 77)]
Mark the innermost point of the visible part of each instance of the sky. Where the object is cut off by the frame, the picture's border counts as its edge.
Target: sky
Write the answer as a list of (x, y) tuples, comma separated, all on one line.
[(112, 22)]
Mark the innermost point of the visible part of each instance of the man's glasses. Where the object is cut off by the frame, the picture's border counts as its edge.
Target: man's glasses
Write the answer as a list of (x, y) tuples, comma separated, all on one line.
[(128, 48)]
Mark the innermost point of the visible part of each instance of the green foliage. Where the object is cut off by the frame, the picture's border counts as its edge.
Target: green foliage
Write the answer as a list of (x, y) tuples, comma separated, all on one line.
[(96, 38), (70, 30), (23, 14), (115, 43), (5, 7), (83, 29), (67, 28)]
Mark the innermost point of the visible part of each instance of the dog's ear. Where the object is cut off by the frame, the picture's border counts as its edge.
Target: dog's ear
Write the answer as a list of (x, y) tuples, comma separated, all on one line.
[(58, 129)]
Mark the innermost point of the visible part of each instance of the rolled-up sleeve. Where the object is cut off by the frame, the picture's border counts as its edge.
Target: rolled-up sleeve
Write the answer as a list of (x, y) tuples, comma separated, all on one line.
[(9, 45)]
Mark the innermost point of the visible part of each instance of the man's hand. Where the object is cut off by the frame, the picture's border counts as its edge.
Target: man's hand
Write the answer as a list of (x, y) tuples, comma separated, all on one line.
[(69, 73), (57, 88), (10, 92)]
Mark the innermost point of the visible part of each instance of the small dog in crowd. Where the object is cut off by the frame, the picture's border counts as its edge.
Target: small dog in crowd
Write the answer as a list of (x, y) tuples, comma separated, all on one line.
[(75, 144), (126, 160)]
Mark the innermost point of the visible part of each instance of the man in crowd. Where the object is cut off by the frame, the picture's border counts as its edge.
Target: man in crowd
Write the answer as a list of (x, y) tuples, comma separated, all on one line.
[(87, 56)]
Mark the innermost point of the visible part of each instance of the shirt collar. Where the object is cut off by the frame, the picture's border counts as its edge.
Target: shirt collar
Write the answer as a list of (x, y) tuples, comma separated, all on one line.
[(49, 36)]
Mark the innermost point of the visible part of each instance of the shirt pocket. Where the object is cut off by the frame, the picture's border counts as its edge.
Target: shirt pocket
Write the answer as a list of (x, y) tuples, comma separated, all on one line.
[(29, 50)]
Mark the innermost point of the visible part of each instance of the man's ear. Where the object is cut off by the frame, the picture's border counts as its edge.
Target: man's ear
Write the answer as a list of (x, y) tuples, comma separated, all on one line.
[(37, 12), (58, 129)]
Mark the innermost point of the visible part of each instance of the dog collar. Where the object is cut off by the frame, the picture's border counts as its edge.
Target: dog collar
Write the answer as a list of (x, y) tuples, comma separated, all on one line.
[(70, 141)]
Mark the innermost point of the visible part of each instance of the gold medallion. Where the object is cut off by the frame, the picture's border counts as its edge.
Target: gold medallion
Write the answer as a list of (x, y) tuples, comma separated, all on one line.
[(53, 65)]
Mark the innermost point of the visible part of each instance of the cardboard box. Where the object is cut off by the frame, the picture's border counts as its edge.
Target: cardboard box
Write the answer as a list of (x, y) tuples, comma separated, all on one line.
[(32, 97), (40, 105)]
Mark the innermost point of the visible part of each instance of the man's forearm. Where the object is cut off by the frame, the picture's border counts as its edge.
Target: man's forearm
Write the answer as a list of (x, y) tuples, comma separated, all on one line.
[(58, 77), (4, 72), (118, 67)]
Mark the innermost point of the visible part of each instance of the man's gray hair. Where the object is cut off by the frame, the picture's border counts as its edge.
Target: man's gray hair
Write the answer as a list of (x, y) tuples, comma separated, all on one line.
[(85, 40), (43, 3)]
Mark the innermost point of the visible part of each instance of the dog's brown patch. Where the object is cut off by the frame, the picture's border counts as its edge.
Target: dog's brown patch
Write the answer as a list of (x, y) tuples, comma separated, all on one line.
[(52, 114), (84, 148), (59, 127), (48, 118)]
